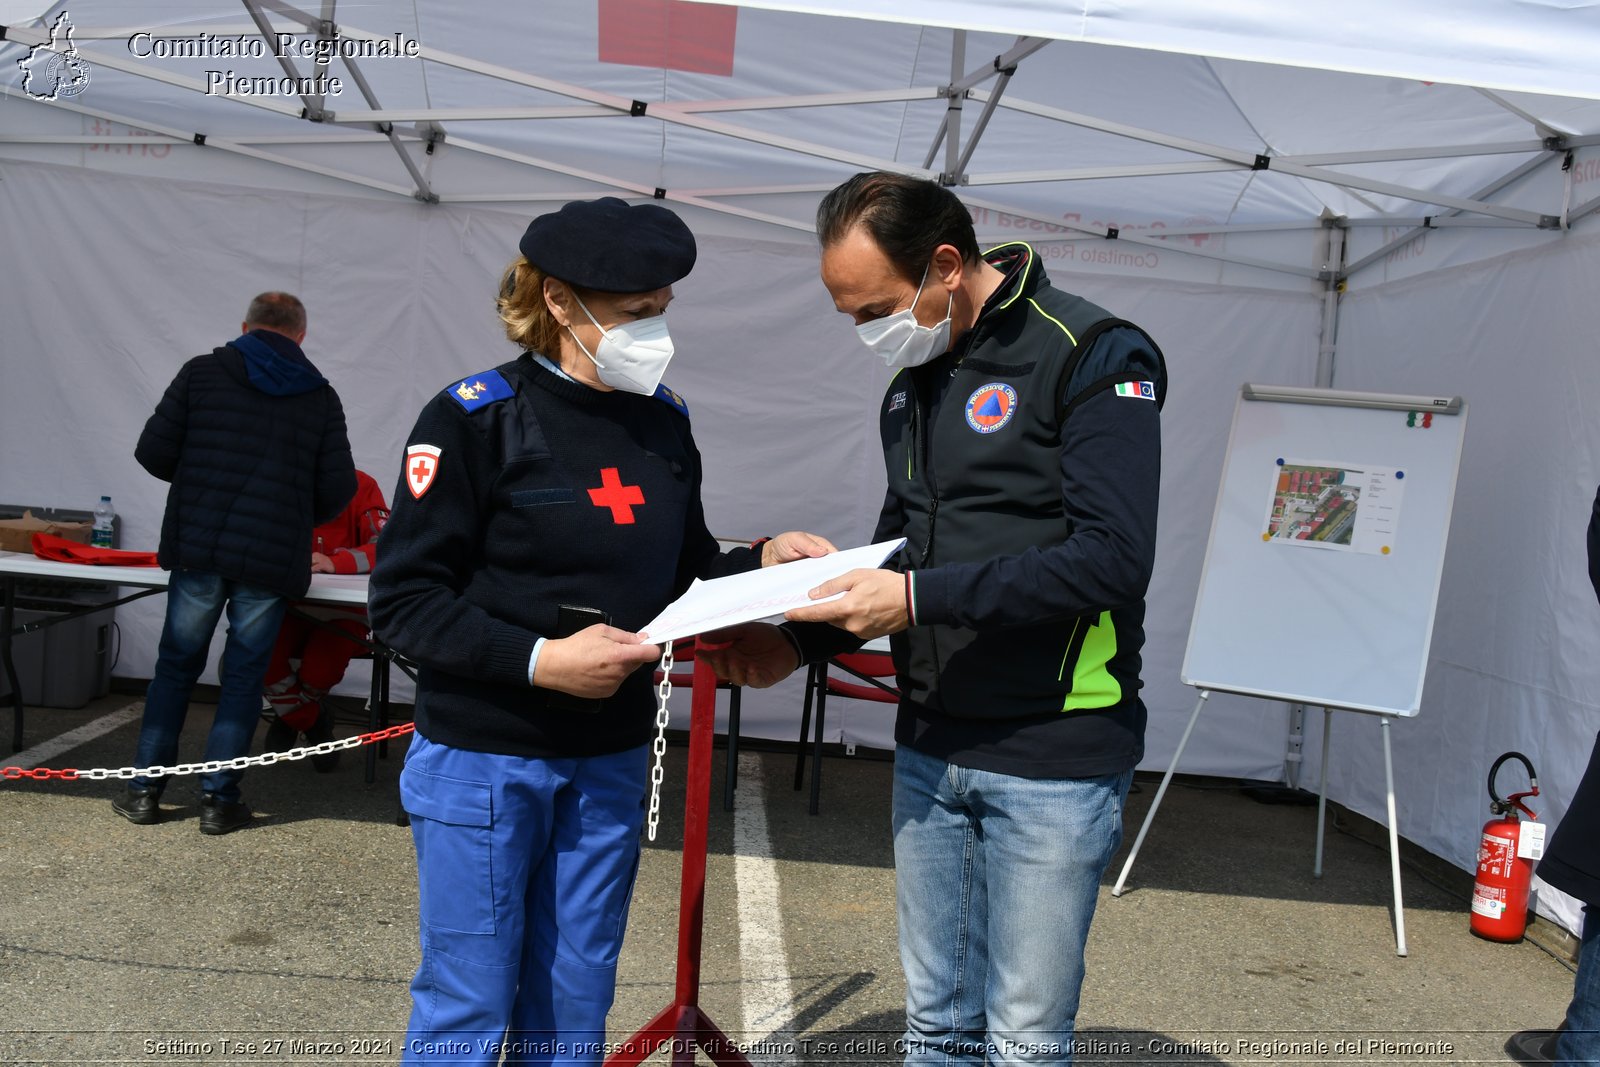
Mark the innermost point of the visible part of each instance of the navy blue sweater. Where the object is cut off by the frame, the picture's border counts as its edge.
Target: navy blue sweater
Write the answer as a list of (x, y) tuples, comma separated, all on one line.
[(253, 440), (546, 493)]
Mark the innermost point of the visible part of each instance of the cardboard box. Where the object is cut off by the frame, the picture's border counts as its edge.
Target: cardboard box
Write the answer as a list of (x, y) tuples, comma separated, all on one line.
[(16, 535)]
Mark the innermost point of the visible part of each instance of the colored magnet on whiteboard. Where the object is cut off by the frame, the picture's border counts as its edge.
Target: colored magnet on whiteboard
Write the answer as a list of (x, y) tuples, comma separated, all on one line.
[(1267, 536), (1280, 461), (1399, 474), (1384, 550)]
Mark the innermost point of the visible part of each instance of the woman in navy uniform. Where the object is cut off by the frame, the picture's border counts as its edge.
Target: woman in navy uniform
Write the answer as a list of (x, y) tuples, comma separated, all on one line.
[(548, 509)]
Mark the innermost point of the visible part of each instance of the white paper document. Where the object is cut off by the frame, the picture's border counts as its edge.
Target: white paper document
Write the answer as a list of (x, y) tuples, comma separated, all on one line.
[(760, 594)]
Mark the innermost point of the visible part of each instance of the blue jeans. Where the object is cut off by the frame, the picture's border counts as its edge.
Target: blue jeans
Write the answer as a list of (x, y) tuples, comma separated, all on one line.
[(525, 871), (997, 878), (195, 601), (1580, 1039)]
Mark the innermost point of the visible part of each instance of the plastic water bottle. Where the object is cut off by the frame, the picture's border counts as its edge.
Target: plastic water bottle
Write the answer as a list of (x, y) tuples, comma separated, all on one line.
[(104, 519)]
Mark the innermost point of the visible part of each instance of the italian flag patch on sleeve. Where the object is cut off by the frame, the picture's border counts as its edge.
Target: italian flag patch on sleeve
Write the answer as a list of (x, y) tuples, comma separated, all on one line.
[(1138, 390)]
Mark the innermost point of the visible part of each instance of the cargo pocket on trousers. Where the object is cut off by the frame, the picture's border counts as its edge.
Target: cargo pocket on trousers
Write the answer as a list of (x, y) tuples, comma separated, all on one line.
[(451, 820)]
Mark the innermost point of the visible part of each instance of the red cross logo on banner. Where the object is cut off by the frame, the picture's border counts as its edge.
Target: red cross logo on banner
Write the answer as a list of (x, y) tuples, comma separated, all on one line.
[(422, 463), (670, 34), (616, 496)]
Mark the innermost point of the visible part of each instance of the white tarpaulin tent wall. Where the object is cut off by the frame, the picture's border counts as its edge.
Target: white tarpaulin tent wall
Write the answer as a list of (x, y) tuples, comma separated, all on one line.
[(1403, 205)]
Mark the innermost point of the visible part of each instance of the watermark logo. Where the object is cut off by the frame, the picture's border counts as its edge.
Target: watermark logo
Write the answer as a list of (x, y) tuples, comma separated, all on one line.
[(321, 50), (54, 70)]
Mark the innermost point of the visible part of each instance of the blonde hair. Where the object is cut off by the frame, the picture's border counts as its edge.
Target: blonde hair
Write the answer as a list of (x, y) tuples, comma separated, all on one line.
[(522, 308)]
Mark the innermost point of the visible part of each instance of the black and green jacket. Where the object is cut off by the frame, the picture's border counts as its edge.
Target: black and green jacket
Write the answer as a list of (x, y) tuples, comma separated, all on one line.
[(1024, 469)]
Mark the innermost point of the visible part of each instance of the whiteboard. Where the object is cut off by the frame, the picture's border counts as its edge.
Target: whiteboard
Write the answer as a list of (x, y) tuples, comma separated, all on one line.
[(1327, 544)]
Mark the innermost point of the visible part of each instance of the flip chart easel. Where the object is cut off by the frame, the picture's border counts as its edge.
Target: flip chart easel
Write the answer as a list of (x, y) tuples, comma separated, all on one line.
[(1323, 565)]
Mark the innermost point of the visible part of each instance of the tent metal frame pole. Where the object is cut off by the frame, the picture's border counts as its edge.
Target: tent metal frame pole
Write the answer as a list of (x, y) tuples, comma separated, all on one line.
[(604, 111), (221, 144), (693, 115), (784, 103), (1025, 47), (1509, 178), (314, 103), (960, 85), (1121, 129), (633, 188), (952, 110), (1131, 238), (424, 187), (1400, 155), (1132, 170), (1333, 274), (1588, 207), (1406, 192), (1434, 222), (1327, 352), (983, 119), (1544, 128), (1322, 791), (661, 112), (292, 13), (1281, 164), (1159, 245)]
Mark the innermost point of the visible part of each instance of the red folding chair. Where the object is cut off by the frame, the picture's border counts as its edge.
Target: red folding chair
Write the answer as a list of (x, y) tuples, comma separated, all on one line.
[(683, 677), (867, 666)]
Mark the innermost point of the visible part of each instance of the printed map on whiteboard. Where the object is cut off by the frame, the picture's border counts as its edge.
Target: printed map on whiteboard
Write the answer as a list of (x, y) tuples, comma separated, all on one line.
[(1337, 506)]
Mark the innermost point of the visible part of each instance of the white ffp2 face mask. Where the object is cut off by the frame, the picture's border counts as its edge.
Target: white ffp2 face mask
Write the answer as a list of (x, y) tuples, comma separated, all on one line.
[(631, 356), (900, 340)]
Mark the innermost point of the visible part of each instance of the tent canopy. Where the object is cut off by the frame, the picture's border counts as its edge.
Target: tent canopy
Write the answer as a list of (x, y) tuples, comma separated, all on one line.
[(1213, 138)]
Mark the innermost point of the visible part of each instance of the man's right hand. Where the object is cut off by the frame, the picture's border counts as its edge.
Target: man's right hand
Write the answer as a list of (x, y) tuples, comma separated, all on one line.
[(592, 662), (756, 654)]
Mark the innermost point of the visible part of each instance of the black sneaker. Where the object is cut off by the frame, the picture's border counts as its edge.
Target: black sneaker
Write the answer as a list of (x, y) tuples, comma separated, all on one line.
[(1533, 1046), (138, 804), (218, 817), (280, 737), (322, 731)]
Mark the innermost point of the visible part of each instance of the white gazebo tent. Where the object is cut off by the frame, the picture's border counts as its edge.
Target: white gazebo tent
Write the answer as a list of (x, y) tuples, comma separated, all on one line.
[(1376, 196)]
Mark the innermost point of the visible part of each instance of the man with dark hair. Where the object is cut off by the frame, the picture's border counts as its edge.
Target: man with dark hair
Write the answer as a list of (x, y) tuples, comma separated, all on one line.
[(252, 439), (1022, 442)]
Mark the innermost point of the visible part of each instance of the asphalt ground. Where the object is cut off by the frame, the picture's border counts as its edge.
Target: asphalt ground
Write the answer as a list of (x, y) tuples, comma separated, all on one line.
[(293, 940)]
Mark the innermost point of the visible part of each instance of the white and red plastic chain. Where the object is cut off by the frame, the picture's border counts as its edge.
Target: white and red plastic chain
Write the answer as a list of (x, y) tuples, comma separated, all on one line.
[(266, 759)]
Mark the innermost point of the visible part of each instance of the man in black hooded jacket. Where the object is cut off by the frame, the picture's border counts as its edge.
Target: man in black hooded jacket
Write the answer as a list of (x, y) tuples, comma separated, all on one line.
[(252, 439)]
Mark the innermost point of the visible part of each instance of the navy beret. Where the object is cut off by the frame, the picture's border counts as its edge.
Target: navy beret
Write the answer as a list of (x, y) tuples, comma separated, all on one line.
[(609, 246)]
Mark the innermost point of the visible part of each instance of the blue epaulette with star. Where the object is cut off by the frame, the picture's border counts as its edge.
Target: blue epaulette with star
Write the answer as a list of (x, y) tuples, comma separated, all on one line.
[(476, 390), (673, 399)]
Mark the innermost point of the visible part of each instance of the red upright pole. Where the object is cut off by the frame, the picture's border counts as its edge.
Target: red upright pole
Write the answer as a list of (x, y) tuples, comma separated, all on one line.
[(682, 1023)]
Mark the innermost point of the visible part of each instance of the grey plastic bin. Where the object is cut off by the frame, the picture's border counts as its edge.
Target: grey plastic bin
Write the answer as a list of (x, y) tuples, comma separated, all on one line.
[(68, 664)]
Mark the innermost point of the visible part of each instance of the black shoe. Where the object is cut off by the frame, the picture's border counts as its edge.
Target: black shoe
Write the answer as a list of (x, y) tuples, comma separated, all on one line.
[(1533, 1046), (217, 817), (280, 737), (322, 731), (138, 805)]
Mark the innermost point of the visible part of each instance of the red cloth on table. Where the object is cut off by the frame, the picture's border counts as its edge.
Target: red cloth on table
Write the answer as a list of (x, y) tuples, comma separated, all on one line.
[(61, 550)]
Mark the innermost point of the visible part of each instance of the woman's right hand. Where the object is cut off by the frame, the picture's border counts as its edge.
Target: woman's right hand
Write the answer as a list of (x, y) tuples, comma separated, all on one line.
[(592, 662)]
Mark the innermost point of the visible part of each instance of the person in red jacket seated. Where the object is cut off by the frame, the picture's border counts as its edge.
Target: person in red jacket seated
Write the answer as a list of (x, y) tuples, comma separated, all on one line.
[(311, 657)]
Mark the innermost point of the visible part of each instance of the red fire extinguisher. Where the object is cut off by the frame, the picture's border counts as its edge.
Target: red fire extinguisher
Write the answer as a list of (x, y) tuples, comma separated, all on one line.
[(1505, 861)]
